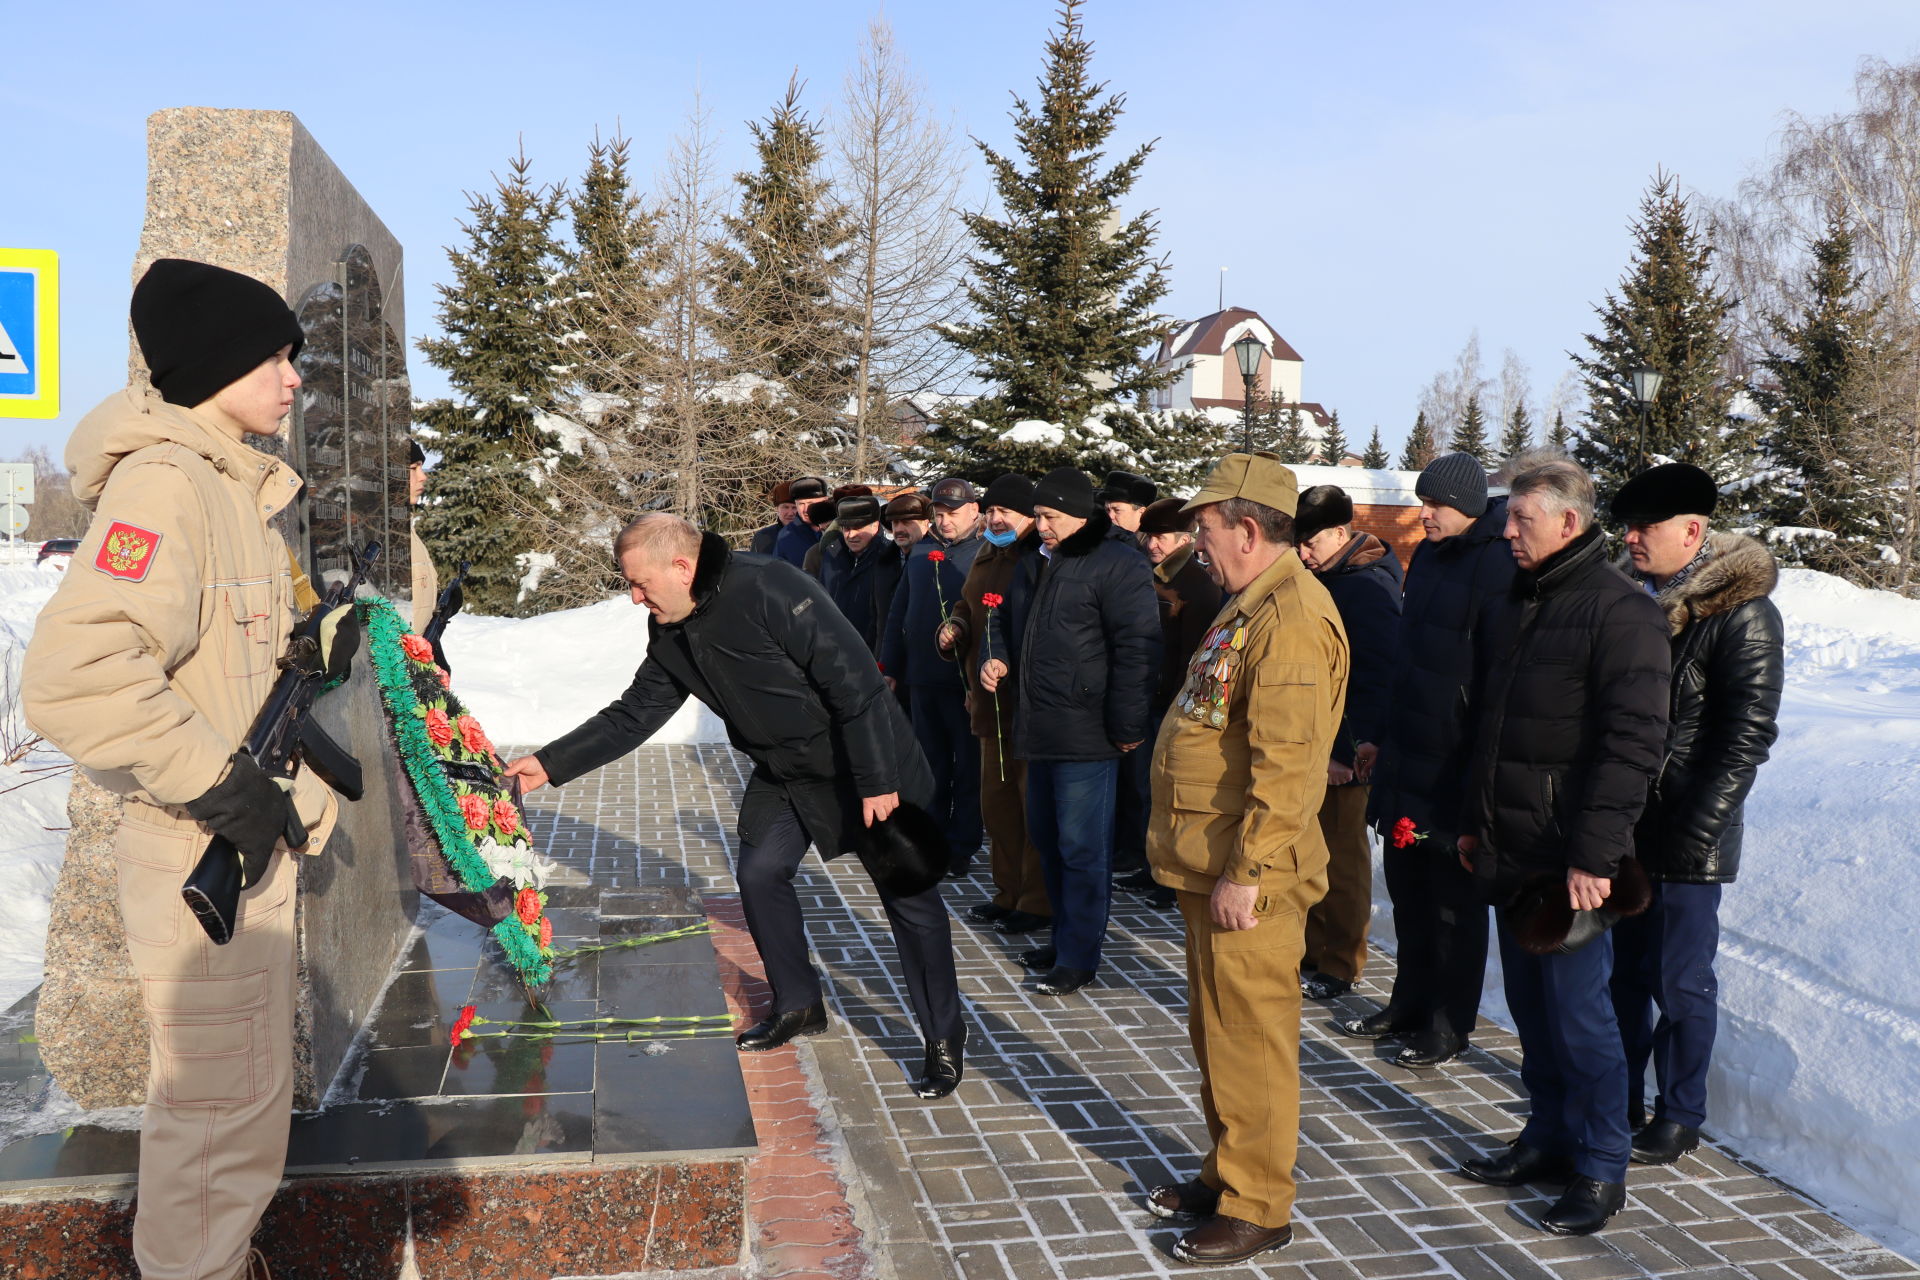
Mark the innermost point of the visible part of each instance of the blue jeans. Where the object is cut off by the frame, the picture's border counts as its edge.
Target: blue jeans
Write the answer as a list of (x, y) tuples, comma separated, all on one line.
[(1663, 959), (1572, 1063), (1070, 817)]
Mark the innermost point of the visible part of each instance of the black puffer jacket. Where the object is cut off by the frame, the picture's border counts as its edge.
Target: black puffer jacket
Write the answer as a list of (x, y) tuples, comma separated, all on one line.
[(1364, 581), (1569, 712), (1083, 629), (797, 688), (862, 586), (1728, 672)]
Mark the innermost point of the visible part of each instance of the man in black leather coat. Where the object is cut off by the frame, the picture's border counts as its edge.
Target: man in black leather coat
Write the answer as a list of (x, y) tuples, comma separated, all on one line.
[(1728, 669), (761, 644)]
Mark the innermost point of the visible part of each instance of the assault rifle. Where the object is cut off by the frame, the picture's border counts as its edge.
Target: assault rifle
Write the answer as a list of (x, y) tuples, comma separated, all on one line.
[(445, 605), (283, 736)]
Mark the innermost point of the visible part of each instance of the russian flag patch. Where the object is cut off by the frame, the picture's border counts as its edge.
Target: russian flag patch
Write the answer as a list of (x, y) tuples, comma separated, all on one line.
[(127, 552)]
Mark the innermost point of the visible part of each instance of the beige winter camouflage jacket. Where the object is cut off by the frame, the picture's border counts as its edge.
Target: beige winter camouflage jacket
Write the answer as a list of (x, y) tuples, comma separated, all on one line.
[(150, 661)]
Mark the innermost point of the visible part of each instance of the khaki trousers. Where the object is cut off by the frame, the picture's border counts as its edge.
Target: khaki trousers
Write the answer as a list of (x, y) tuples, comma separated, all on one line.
[(1337, 925), (213, 1140), (1243, 988), (1019, 877)]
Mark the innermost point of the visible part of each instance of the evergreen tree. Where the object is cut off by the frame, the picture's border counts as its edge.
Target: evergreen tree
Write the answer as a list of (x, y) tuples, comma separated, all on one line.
[(1376, 457), (499, 352), (1291, 440), (1420, 450), (1333, 445), (1518, 437), (1560, 437), (1828, 474), (1063, 290), (1470, 437), (776, 306), (1668, 316)]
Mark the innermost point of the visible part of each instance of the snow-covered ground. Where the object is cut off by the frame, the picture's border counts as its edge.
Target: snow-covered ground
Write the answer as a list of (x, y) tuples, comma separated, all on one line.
[(1818, 1069)]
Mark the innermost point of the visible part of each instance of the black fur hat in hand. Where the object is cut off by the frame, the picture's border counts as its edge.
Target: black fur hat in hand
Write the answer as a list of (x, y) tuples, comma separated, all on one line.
[(905, 853), (1544, 922)]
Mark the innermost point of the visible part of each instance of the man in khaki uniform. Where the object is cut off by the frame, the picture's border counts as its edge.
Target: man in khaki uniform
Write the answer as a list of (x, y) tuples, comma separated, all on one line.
[(148, 666), (1239, 771)]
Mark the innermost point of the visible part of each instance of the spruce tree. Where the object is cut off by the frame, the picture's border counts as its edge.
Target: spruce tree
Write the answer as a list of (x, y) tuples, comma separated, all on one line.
[(778, 313), (1333, 445), (499, 352), (1829, 476), (1518, 437), (1291, 439), (1560, 437), (1420, 450), (1470, 437), (1376, 458), (1062, 290), (1668, 316)]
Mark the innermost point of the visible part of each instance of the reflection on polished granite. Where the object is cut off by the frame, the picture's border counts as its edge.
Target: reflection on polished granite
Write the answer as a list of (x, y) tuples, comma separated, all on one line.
[(409, 1100)]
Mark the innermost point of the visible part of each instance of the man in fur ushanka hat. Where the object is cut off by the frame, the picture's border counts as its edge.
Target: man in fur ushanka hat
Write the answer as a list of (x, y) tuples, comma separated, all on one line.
[(1727, 673)]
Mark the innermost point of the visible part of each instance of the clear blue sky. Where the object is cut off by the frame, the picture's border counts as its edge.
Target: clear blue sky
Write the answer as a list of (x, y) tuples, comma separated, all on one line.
[(1380, 179)]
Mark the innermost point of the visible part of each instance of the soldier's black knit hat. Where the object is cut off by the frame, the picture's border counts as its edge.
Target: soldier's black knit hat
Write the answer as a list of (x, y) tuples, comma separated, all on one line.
[(202, 327)]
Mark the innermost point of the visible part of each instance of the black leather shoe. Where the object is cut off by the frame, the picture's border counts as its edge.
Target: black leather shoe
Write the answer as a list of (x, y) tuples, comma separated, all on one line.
[(1320, 986), (1192, 1199), (1062, 981), (1585, 1208), (782, 1027), (1159, 896), (988, 912), (1429, 1050), (1663, 1142), (1377, 1025), (941, 1073), (1040, 959), (1018, 922), (1135, 881), (1225, 1240), (1517, 1164)]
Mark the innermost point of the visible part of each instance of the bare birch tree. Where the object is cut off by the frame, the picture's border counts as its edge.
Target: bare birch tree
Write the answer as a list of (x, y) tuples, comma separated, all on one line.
[(1444, 401), (899, 169)]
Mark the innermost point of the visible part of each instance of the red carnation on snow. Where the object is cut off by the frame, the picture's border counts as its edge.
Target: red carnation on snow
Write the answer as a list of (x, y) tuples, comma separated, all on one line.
[(993, 599), (460, 1028), (439, 728), (505, 816), (474, 810), (417, 649)]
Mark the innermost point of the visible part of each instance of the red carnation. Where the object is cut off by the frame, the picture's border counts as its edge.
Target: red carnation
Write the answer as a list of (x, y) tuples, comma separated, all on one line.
[(474, 810), (460, 1027), (439, 728), (417, 649), (446, 680), (505, 816), (938, 557), (527, 906), (993, 599), (472, 737), (546, 934), (1404, 834)]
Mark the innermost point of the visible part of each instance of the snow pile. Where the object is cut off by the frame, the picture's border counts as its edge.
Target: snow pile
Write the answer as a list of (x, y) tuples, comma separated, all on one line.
[(529, 680), (1816, 1070)]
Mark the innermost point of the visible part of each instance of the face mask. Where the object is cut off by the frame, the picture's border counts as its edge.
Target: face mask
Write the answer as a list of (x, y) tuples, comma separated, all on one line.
[(1006, 539)]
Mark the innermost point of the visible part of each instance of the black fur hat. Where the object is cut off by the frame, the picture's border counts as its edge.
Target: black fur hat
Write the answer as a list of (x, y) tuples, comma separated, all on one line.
[(1544, 922), (906, 852), (1663, 492), (1323, 507)]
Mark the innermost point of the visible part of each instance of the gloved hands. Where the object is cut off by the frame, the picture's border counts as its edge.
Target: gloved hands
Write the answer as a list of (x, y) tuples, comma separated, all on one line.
[(252, 810), (339, 641)]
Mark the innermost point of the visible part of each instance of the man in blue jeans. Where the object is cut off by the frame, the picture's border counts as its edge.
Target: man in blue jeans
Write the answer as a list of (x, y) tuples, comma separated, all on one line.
[(1087, 658)]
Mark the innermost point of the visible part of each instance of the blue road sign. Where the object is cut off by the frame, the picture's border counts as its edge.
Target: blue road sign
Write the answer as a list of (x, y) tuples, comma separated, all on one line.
[(29, 334)]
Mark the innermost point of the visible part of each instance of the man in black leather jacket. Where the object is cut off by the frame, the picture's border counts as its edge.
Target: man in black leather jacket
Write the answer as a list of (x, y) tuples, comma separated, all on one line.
[(761, 644), (1728, 669)]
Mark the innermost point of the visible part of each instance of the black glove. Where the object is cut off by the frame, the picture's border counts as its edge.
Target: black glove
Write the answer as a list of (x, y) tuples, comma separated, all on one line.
[(339, 641), (250, 809)]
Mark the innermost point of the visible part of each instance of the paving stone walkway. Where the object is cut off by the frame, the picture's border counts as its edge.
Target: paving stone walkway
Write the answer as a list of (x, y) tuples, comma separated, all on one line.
[(1072, 1107)]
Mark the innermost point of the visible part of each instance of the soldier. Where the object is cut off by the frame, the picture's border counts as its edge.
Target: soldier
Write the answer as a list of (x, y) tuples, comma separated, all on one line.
[(148, 667)]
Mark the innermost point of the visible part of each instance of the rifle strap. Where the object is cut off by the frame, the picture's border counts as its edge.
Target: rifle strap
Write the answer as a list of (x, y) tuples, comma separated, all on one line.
[(305, 598)]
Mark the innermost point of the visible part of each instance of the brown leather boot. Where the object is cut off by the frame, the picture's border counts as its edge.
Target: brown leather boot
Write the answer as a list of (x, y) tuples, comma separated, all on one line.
[(1225, 1240)]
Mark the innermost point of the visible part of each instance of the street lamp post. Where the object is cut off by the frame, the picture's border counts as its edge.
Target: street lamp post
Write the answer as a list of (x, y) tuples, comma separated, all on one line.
[(1248, 351), (1646, 385)]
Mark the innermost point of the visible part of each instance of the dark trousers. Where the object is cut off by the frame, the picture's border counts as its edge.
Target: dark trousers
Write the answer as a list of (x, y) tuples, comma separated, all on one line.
[(945, 731), (1070, 816), (1571, 1063), (1132, 803), (1663, 959), (1337, 924), (1441, 923), (922, 933)]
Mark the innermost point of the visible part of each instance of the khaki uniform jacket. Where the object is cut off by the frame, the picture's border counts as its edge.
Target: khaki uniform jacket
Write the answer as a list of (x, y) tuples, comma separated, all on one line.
[(152, 658), (1243, 800), (426, 580)]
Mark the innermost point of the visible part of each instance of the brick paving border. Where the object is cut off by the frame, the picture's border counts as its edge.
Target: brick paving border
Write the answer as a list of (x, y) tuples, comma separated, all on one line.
[(1073, 1106)]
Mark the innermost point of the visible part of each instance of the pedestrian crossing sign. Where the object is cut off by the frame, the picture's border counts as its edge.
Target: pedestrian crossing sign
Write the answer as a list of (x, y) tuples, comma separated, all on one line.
[(29, 333)]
